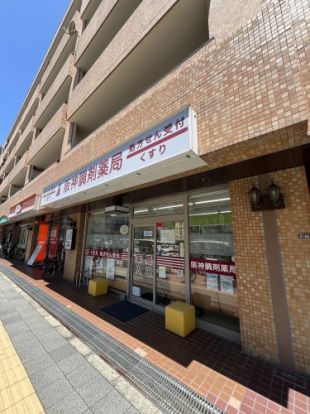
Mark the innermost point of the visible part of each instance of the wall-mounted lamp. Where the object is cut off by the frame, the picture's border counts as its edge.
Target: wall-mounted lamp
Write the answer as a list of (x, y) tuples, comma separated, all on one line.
[(274, 193), (254, 194), (272, 199)]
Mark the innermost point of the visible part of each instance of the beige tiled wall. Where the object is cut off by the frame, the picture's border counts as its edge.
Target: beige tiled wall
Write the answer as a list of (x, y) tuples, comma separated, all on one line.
[(295, 254), (254, 296), (255, 307)]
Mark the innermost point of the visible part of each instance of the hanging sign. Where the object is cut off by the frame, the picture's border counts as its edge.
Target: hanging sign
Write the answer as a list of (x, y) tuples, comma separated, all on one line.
[(174, 138)]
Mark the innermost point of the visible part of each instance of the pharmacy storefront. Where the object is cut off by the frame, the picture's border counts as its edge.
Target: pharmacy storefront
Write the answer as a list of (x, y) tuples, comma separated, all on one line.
[(171, 248), (176, 247)]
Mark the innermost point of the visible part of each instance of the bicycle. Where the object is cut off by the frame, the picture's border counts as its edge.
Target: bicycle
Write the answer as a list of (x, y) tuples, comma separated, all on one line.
[(51, 269), (19, 254)]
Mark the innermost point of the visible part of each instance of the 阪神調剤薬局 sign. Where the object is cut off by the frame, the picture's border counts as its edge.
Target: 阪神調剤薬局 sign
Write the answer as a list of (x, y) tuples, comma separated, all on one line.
[(172, 143)]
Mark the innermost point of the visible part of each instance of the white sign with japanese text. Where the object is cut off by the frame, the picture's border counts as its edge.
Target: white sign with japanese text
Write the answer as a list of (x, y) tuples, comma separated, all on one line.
[(175, 139)]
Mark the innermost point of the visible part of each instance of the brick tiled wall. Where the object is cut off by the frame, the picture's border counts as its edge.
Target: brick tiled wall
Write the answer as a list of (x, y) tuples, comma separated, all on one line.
[(227, 16), (254, 297), (295, 253)]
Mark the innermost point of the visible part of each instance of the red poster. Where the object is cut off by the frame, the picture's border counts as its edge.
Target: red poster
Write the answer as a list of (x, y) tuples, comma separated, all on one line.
[(42, 240), (53, 242)]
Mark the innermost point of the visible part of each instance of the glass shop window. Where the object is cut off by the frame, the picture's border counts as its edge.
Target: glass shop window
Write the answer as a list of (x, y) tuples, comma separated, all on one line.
[(106, 248), (212, 267)]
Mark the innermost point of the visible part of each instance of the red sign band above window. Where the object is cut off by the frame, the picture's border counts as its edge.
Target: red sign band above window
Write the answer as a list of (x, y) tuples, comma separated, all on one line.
[(213, 266), (107, 254), (24, 206)]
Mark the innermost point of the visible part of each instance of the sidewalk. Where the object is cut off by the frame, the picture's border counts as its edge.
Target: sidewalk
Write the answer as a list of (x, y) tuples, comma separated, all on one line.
[(45, 368), (216, 369)]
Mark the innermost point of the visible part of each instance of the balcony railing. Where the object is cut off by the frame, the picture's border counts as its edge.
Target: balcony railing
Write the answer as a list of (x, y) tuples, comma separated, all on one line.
[(94, 26), (122, 44), (4, 183), (61, 80), (57, 122), (29, 128), (65, 46), (21, 164), (31, 103)]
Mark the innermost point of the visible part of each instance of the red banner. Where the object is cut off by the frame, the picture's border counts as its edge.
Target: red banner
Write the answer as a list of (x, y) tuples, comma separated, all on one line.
[(53, 242), (213, 266)]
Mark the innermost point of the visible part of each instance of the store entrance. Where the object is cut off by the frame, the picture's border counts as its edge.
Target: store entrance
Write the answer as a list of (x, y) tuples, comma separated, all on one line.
[(158, 260)]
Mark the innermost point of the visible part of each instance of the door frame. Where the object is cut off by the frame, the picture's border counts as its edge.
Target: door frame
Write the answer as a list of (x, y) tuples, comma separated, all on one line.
[(151, 222)]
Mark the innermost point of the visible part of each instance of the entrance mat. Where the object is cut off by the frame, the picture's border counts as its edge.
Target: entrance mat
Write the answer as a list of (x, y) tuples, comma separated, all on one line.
[(124, 311)]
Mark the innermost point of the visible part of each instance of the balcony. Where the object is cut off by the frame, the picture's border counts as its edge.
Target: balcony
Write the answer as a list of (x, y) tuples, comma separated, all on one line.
[(9, 163), (13, 141), (30, 109), (47, 146), (133, 61), (4, 186), (56, 95), (25, 139), (63, 50), (88, 9), (18, 175), (106, 22)]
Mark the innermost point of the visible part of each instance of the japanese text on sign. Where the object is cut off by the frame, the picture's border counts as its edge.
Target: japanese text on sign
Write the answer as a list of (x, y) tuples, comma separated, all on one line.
[(166, 140), (213, 266)]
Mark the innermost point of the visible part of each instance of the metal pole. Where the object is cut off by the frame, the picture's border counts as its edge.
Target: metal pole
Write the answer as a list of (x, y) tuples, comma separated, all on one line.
[(83, 245)]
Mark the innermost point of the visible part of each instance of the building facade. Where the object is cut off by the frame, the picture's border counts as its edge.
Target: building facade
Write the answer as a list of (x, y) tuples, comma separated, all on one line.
[(150, 150)]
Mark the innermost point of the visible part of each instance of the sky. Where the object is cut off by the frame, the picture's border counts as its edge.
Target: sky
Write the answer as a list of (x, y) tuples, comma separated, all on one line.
[(26, 30)]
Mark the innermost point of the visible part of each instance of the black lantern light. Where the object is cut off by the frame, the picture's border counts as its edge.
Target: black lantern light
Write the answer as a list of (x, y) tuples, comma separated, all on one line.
[(255, 196), (274, 193)]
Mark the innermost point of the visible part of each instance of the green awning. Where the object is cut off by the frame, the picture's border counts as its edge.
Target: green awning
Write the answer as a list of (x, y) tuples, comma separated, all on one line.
[(3, 220)]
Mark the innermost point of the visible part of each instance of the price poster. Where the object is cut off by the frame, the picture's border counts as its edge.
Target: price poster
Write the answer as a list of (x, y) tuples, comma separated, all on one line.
[(110, 269), (227, 284), (212, 282)]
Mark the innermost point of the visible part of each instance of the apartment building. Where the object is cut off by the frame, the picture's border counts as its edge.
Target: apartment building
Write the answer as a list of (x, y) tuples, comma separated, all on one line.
[(164, 145)]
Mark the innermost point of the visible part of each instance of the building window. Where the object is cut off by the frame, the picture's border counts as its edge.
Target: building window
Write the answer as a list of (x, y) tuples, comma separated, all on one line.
[(212, 267), (106, 249)]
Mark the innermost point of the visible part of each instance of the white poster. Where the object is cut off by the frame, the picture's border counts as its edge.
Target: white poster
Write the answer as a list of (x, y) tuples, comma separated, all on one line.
[(212, 282), (110, 270), (68, 239), (227, 284), (162, 272), (167, 236), (88, 267), (34, 255)]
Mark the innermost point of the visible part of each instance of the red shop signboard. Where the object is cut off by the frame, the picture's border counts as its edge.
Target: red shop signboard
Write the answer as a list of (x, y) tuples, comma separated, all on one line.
[(213, 266)]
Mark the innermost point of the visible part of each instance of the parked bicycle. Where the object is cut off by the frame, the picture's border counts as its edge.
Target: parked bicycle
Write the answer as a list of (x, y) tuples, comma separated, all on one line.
[(6, 251), (18, 254), (51, 269)]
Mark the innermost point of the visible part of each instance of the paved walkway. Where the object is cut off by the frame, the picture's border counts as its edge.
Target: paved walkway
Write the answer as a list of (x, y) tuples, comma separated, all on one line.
[(44, 368)]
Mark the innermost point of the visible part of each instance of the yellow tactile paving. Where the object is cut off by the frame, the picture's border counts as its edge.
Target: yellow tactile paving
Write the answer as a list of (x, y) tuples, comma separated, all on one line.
[(17, 395)]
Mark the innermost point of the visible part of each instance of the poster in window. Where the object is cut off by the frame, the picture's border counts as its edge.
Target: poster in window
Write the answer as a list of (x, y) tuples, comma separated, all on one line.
[(162, 272), (227, 284), (110, 270), (212, 282), (167, 236)]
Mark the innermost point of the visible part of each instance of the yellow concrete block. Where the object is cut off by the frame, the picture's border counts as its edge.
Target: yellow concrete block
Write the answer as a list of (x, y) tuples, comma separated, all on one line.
[(97, 287), (180, 318)]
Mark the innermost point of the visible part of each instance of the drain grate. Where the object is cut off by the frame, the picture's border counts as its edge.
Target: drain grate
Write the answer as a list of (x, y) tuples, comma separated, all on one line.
[(165, 391)]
